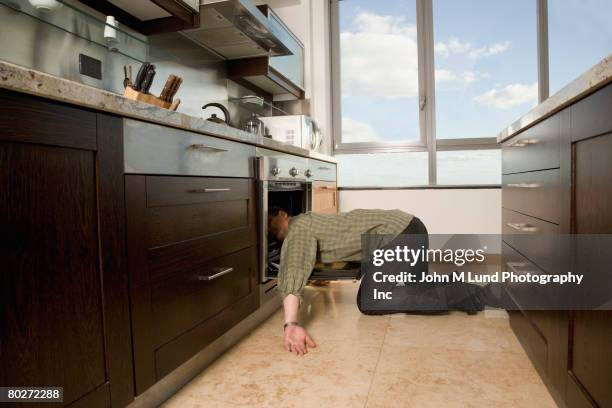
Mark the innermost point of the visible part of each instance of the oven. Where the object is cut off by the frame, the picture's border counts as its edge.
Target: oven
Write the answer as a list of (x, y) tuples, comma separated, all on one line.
[(283, 181)]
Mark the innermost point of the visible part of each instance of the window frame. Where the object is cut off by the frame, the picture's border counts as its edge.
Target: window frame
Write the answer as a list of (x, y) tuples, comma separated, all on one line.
[(426, 76)]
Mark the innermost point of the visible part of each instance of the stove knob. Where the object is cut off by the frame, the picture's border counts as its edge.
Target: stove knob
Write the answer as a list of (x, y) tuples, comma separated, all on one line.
[(294, 172), (308, 173), (275, 171)]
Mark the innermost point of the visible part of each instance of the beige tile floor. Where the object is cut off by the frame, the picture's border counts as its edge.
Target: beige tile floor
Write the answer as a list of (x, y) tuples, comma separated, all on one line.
[(401, 360)]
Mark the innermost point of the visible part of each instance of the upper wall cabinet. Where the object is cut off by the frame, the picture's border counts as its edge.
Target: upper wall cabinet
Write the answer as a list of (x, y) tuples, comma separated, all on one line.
[(150, 16), (274, 74)]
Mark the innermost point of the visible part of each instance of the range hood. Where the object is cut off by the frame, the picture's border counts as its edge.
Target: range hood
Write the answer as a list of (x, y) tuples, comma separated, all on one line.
[(236, 29)]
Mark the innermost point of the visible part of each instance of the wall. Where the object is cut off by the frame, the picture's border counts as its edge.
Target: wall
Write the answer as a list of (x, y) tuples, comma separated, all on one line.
[(309, 21), (443, 211), (51, 42)]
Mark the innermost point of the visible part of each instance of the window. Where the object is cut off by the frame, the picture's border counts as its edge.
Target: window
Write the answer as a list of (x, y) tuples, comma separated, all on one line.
[(456, 167), (486, 72), (382, 169), (579, 36), (428, 84), (379, 71)]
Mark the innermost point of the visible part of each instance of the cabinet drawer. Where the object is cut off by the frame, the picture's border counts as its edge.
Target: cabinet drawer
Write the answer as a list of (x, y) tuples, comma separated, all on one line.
[(526, 296), (174, 224), (322, 171), (194, 253), (163, 191), (591, 116), (535, 193), (178, 350), (536, 148), (537, 240), (155, 149), (194, 295)]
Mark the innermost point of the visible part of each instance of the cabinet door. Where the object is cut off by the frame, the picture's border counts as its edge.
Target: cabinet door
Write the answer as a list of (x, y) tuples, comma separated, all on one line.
[(324, 197), (51, 332), (64, 316), (590, 362)]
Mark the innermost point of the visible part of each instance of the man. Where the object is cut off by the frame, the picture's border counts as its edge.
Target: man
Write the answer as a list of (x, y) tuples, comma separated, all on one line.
[(329, 238)]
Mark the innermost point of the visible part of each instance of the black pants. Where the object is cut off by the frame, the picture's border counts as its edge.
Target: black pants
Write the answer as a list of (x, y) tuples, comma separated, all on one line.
[(426, 298)]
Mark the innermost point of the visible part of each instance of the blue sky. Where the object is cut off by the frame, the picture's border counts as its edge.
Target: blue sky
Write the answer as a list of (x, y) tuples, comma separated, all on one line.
[(486, 56)]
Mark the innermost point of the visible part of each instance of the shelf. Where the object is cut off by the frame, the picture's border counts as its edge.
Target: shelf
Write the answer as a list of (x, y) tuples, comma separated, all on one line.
[(258, 105)]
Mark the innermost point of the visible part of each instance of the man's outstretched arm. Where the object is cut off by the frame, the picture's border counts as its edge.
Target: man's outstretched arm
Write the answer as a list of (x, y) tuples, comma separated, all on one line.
[(296, 338), (298, 256)]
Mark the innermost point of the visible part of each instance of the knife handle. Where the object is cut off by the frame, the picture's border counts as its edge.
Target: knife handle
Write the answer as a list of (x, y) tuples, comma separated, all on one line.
[(142, 72), (165, 93), (146, 84), (175, 87)]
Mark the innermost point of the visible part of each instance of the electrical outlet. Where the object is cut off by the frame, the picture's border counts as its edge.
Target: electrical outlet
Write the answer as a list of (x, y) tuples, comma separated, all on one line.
[(90, 66)]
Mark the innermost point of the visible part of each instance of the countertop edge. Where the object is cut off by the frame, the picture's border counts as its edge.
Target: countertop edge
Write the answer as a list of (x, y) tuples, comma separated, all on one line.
[(589, 82), (25, 80)]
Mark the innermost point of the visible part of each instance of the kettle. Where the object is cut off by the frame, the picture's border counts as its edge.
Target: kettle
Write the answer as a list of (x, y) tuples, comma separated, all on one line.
[(214, 117)]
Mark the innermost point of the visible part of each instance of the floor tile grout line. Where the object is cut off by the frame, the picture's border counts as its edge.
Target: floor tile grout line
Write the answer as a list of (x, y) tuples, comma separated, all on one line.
[(382, 344)]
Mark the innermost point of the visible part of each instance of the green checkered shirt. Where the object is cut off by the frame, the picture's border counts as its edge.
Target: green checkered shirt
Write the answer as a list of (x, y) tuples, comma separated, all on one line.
[(330, 238)]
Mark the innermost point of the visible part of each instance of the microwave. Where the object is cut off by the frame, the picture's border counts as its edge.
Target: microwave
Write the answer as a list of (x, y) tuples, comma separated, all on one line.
[(297, 130)]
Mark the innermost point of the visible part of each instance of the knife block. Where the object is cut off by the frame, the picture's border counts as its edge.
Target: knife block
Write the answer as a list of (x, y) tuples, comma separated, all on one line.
[(134, 95)]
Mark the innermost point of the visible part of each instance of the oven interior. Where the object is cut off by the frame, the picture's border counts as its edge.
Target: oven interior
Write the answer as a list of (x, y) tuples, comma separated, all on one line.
[(293, 198)]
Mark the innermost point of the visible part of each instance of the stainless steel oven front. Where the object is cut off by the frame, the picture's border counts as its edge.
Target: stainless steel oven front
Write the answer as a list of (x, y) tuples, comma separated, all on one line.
[(283, 181)]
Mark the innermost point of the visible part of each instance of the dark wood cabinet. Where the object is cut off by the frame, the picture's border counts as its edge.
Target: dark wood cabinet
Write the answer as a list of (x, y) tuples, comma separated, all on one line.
[(563, 184), (175, 15), (590, 332), (192, 263), (64, 310)]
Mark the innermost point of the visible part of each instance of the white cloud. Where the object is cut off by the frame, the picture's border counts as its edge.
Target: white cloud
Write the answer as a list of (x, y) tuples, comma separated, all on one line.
[(379, 58), (456, 46), (471, 76), (453, 46), (444, 75), (490, 50), (356, 131), (466, 77), (509, 96)]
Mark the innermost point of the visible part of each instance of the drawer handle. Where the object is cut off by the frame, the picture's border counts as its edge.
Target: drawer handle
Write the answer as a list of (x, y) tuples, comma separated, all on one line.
[(515, 265), (524, 185), (523, 142), (323, 168), (208, 190), (206, 148), (216, 275), (522, 227)]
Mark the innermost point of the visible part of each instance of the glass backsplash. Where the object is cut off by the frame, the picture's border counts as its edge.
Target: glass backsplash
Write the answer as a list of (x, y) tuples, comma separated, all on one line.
[(69, 17)]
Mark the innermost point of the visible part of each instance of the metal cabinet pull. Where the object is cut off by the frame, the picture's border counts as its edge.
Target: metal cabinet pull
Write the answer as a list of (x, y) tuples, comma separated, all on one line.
[(524, 185), (522, 142), (514, 267), (323, 168), (522, 227), (206, 148), (208, 190), (216, 275)]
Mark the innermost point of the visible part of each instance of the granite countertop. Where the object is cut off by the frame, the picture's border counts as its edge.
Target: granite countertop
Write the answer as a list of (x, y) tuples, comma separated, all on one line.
[(587, 83), (26, 80)]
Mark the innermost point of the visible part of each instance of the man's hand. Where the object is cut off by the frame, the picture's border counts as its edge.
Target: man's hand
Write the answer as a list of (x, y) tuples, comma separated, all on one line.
[(297, 340)]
